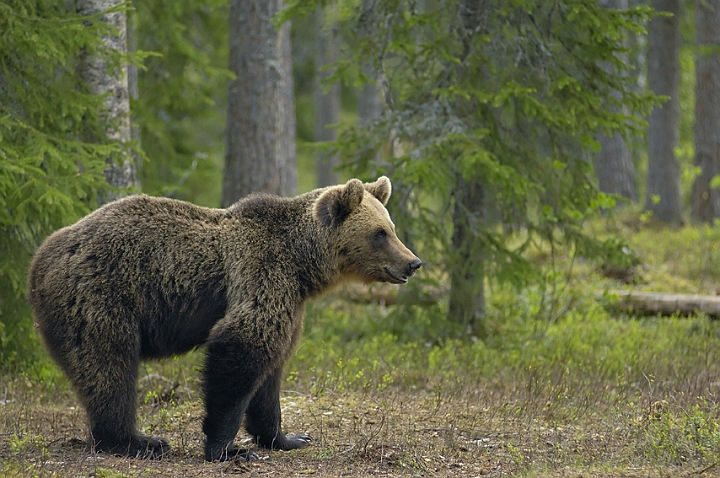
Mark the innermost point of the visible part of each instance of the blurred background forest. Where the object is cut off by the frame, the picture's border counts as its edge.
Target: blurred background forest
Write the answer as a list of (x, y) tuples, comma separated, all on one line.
[(514, 131)]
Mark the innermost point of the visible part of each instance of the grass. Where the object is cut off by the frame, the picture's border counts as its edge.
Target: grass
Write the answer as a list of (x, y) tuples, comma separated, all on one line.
[(563, 388)]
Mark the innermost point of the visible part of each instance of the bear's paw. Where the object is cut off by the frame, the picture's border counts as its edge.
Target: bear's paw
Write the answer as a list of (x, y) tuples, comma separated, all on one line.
[(141, 446)]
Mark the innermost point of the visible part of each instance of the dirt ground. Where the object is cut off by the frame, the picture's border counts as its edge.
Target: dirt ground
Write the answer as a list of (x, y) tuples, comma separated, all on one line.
[(390, 433)]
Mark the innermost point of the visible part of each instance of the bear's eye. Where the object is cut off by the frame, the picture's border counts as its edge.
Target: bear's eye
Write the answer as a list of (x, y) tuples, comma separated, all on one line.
[(381, 234)]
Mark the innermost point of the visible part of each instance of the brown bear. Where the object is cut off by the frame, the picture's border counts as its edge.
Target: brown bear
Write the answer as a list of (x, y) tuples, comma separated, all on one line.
[(146, 277)]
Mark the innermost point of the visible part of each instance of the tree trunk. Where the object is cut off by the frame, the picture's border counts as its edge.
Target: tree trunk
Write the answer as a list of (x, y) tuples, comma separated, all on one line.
[(260, 154), (615, 168), (663, 185), (613, 163), (327, 103), (467, 277), (706, 199), (467, 294), (134, 91), (369, 99), (101, 80)]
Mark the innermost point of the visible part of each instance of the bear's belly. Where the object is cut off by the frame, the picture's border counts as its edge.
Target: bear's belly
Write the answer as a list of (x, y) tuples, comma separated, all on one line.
[(178, 331)]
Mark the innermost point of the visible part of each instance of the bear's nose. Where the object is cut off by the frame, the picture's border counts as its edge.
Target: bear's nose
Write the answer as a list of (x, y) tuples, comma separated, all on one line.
[(414, 265)]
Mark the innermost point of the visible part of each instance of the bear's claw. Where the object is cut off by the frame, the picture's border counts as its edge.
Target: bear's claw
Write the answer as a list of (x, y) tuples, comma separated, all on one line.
[(300, 440), (287, 442), (143, 447), (231, 453)]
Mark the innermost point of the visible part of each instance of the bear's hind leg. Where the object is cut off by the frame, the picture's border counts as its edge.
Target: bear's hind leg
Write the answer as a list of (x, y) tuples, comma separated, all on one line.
[(112, 415), (105, 378), (264, 417)]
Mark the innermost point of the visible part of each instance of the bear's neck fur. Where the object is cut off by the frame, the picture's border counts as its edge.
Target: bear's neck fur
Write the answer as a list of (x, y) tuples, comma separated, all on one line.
[(306, 251)]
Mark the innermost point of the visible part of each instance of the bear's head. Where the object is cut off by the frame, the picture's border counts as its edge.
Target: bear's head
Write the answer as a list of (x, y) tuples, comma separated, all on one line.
[(363, 234)]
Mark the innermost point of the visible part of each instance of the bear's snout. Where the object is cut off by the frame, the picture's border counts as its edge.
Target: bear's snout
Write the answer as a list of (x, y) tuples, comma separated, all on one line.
[(413, 266), (409, 271), (400, 274)]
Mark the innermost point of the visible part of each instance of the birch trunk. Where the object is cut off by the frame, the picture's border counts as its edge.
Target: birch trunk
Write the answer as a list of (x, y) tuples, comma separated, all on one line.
[(113, 85)]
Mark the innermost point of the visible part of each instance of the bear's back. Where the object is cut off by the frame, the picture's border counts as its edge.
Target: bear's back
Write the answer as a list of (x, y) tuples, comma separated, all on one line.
[(134, 234)]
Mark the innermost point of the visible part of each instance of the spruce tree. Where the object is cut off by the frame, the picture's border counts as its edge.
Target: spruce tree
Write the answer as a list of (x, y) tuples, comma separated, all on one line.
[(49, 175), (491, 113)]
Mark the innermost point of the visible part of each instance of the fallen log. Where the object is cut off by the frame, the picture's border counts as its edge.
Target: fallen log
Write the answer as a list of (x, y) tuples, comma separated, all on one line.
[(632, 302), (651, 303)]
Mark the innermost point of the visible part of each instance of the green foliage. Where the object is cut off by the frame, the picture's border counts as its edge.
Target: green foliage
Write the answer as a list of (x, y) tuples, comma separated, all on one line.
[(181, 92), (512, 97), (688, 434), (49, 176)]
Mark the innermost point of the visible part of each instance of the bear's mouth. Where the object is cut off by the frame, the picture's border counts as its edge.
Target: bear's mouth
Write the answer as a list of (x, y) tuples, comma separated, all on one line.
[(396, 279)]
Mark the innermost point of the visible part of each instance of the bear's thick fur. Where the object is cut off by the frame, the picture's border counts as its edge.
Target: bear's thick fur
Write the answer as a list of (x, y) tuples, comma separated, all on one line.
[(147, 277)]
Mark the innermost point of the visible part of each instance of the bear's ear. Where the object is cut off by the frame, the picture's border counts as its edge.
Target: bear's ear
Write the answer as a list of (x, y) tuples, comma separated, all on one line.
[(381, 189), (335, 204)]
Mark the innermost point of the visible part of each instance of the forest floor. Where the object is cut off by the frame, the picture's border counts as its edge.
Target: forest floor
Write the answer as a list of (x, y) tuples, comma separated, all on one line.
[(415, 434)]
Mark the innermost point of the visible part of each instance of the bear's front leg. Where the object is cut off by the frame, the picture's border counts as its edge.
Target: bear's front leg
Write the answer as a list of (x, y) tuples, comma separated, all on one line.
[(232, 372), (264, 420)]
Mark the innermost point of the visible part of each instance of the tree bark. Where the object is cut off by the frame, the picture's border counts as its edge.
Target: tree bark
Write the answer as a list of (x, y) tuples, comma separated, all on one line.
[(613, 163), (615, 168), (706, 199), (260, 155), (327, 103), (663, 185), (113, 85), (134, 92), (370, 104)]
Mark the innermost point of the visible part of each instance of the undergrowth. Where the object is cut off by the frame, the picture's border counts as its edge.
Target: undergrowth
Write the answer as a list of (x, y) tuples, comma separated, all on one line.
[(586, 349)]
